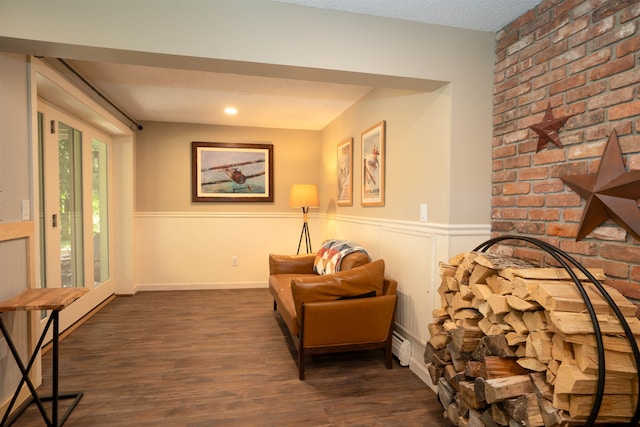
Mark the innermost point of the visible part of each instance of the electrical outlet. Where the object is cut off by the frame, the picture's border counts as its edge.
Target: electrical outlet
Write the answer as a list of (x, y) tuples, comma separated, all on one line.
[(234, 261)]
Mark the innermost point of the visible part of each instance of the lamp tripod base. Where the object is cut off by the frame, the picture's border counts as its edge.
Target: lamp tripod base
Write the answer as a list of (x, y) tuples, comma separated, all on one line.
[(305, 233)]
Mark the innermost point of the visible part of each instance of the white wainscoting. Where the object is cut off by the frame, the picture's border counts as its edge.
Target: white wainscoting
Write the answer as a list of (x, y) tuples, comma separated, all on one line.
[(175, 251), (412, 251)]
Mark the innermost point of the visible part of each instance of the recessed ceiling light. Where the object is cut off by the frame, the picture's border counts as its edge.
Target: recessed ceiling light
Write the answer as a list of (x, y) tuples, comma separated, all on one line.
[(231, 110)]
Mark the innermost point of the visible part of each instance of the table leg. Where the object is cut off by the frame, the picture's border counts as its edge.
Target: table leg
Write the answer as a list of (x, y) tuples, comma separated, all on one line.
[(25, 376)]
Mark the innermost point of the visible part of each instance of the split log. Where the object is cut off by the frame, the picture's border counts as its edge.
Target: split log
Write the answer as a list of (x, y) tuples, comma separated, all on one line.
[(571, 380), (499, 389), (500, 367), (550, 273), (492, 345), (617, 364), (524, 409), (580, 323), (469, 397), (564, 296)]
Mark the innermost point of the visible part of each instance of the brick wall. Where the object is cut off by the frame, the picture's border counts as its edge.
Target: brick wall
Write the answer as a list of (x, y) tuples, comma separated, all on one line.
[(582, 57)]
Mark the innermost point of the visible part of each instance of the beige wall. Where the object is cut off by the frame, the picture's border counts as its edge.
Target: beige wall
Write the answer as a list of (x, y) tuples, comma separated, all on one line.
[(163, 165), (282, 40), (417, 153)]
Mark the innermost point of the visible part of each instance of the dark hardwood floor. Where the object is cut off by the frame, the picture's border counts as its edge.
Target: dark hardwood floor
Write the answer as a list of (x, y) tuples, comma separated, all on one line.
[(205, 358)]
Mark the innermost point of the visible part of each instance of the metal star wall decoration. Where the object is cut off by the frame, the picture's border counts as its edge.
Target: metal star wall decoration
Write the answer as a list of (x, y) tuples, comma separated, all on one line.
[(548, 129), (612, 192)]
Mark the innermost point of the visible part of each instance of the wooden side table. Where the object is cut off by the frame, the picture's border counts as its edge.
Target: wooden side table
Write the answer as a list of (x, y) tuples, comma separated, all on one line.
[(54, 299)]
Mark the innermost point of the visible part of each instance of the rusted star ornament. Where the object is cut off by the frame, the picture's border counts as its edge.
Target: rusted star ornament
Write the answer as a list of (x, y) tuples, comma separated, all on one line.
[(612, 192), (547, 130)]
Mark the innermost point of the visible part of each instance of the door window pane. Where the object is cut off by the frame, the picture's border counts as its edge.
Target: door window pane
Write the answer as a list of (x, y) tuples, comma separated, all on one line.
[(100, 203), (70, 222)]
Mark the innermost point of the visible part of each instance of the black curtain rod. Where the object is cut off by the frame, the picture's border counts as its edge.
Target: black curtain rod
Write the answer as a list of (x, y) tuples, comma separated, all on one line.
[(93, 88)]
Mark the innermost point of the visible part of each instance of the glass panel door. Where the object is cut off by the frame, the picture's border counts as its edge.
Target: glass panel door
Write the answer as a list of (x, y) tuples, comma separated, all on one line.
[(71, 212)]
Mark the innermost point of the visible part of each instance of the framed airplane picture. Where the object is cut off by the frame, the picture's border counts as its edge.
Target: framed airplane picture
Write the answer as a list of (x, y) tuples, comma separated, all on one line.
[(231, 172)]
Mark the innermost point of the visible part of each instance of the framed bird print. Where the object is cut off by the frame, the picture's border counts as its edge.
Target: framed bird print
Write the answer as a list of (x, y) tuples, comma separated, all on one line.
[(345, 172), (373, 164)]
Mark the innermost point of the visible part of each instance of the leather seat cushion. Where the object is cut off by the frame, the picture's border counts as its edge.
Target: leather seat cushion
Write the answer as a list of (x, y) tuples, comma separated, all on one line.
[(351, 283)]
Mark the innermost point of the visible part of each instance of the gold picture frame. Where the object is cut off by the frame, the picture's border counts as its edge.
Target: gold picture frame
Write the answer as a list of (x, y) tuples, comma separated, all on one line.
[(345, 173), (373, 165), (231, 172)]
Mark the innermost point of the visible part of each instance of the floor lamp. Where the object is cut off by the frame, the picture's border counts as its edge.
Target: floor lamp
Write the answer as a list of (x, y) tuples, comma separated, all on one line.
[(304, 196)]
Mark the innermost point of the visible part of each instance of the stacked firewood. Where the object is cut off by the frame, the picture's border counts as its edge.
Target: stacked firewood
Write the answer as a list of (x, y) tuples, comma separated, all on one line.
[(513, 343)]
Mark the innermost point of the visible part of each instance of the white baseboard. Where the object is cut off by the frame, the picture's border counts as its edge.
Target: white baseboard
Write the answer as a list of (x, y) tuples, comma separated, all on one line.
[(142, 287)]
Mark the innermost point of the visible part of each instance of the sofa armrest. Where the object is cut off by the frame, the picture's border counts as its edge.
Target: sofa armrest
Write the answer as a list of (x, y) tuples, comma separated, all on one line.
[(291, 264), (348, 322)]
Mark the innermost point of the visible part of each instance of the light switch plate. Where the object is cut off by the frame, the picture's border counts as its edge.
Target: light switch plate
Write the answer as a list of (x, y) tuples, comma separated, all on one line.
[(423, 212), (26, 216)]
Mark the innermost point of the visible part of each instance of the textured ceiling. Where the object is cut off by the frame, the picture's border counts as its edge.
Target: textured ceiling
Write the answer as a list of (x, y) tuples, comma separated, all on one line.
[(482, 15), (189, 96)]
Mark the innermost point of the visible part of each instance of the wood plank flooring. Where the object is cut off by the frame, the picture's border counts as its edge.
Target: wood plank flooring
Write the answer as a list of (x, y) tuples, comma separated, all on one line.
[(221, 358)]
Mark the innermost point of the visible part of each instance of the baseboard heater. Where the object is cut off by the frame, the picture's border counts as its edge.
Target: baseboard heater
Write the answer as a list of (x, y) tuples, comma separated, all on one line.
[(401, 348)]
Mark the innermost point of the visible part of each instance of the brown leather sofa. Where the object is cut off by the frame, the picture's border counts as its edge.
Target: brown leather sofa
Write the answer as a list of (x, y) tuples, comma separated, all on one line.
[(349, 310)]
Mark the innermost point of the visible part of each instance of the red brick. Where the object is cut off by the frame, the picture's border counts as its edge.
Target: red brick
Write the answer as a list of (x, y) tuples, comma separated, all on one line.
[(549, 186), (634, 162), (517, 162), (497, 165), (609, 8), (516, 188), (519, 67), (565, 7), (501, 107), (496, 190), (530, 227), (530, 201), (572, 215), (590, 61), (520, 44), (517, 91), (505, 85), (585, 91), (566, 84), (611, 98), (497, 201), (630, 13), (569, 57), (620, 252), (582, 248), (611, 268), (585, 7), (556, 75), (523, 19), (635, 274), (509, 213), (583, 120), (562, 230), (545, 214), (570, 29), (530, 97), (624, 110), (503, 226), (611, 37), (504, 151), (504, 176), (518, 136), (533, 173), (628, 46), (536, 71), (562, 200), (583, 151), (603, 131), (605, 232), (593, 31), (549, 156), (612, 67), (625, 79), (542, 19), (530, 254), (561, 19), (626, 288), (564, 169)]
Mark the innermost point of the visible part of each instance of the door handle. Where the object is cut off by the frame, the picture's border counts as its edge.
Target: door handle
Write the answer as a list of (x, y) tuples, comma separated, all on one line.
[(54, 220)]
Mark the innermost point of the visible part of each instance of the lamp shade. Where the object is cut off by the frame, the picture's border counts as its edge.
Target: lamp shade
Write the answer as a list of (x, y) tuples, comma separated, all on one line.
[(304, 196)]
